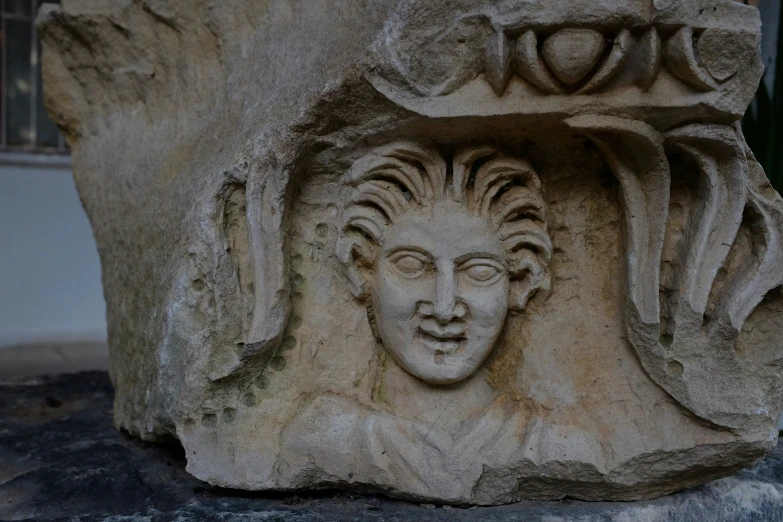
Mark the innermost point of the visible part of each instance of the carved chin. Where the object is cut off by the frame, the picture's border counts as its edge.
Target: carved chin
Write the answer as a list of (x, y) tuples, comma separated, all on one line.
[(440, 362)]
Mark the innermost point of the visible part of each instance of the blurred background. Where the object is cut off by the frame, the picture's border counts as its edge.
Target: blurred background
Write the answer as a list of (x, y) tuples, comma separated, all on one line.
[(51, 301), (50, 279)]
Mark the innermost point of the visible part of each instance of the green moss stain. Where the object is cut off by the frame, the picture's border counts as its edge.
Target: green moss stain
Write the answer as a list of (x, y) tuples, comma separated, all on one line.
[(379, 392), (322, 230), (289, 343), (277, 363)]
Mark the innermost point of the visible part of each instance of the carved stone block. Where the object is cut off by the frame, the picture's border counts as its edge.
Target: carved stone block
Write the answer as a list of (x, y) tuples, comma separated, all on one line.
[(463, 251)]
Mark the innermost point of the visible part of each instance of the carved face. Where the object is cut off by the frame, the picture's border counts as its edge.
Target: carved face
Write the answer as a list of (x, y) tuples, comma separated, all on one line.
[(443, 253), (440, 292)]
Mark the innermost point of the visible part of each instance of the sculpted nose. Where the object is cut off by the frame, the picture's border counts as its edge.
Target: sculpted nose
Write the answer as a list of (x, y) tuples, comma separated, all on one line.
[(445, 297)]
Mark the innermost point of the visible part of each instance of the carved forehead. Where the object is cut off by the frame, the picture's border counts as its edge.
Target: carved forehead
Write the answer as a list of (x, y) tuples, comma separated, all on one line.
[(405, 195), (444, 230)]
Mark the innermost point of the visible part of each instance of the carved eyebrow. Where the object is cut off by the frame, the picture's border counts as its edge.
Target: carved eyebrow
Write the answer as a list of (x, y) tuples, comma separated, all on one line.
[(478, 255), (409, 250)]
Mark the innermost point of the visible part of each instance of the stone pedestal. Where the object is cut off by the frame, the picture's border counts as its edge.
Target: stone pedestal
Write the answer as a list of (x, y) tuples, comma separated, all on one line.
[(454, 251)]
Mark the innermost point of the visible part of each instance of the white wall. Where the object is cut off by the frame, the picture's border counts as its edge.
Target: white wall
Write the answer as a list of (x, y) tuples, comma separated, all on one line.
[(50, 288)]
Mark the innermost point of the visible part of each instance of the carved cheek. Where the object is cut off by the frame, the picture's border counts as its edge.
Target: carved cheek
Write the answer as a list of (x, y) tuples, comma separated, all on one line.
[(487, 305), (398, 296)]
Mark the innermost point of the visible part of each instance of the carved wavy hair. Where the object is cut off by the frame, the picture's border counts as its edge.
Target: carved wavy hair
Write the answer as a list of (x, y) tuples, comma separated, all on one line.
[(393, 179)]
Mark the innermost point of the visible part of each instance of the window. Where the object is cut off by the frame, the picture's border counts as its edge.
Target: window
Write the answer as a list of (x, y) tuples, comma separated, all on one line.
[(24, 124)]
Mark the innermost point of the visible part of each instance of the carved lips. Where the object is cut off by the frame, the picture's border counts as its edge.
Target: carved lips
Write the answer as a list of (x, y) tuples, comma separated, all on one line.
[(442, 339)]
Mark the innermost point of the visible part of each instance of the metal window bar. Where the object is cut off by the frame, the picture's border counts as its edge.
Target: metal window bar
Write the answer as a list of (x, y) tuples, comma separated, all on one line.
[(35, 71), (4, 100)]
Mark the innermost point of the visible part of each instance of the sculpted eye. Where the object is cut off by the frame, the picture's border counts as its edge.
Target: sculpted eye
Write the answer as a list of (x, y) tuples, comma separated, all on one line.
[(482, 271), (408, 264)]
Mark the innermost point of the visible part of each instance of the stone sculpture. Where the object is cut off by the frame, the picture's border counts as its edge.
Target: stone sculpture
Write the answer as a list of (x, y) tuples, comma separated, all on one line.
[(449, 252), (462, 251)]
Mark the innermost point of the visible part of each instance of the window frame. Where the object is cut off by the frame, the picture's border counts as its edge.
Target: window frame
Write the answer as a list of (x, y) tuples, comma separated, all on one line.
[(35, 71)]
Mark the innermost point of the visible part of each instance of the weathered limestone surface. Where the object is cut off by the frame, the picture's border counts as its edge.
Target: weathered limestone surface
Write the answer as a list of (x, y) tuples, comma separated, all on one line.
[(464, 251)]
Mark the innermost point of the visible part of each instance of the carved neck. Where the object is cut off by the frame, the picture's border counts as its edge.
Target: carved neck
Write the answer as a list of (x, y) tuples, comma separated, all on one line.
[(409, 396)]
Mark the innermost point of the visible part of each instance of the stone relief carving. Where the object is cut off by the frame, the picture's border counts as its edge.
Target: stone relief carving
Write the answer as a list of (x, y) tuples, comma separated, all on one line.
[(440, 254), (481, 252), (583, 61), (574, 60), (692, 355), (443, 252)]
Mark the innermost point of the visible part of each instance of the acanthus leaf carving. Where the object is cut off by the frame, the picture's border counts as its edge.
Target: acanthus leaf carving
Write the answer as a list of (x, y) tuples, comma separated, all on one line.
[(693, 357), (266, 210), (634, 151), (724, 188), (758, 276)]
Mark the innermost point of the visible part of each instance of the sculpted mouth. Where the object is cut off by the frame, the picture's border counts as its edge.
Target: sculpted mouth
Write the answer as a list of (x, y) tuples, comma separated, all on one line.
[(442, 336)]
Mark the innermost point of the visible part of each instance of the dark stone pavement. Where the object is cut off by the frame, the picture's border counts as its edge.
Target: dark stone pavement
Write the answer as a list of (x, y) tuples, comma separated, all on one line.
[(61, 459)]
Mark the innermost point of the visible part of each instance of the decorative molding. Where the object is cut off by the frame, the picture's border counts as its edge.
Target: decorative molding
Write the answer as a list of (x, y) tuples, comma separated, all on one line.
[(580, 61)]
